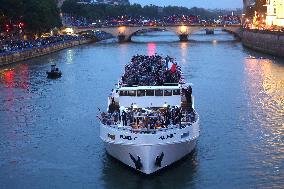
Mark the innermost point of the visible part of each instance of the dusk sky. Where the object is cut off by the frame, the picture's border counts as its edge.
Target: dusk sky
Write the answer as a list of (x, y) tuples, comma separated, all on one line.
[(191, 3)]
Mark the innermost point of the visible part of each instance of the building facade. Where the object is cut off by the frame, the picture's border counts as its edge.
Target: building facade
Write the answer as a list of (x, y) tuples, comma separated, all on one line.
[(247, 3), (275, 13), (59, 3), (113, 2)]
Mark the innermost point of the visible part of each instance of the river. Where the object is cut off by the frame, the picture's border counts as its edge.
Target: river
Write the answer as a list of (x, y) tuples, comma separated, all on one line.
[(49, 133)]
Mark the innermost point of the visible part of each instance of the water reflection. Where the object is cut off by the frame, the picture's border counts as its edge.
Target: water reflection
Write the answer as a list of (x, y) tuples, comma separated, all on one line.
[(152, 47), (214, 41), (70, 56), (17, 77), (265, 88), (8, 77), (184, 50)]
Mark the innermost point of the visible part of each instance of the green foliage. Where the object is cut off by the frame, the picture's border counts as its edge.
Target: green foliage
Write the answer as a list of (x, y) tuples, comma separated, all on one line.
[(38, 15), (102, 11), (259, 8), (11, 8)]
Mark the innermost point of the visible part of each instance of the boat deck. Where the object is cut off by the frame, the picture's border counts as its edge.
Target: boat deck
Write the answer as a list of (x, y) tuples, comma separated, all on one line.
[(149, 120)]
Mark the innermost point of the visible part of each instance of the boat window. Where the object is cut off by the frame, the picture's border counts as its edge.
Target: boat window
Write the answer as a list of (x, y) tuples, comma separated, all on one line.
[(167, 92), (176, 92), (131, 93), (141, 93), (122, 93), (150, 93), (158, 92)]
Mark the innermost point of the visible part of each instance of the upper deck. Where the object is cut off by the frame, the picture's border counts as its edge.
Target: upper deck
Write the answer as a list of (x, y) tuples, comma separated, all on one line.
[(151, 71), (149, 96)]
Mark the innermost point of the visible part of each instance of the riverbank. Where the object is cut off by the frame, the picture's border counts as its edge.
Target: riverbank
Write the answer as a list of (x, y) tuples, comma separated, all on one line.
[(36, 52), (269, 42)]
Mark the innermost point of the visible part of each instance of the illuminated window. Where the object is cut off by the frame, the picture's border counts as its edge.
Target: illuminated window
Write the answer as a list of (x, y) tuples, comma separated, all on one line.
[(176, 92), (122, 93), (141, 93), (158, 92), (131, 93), (150, 93), (167, 92), (127, 93)]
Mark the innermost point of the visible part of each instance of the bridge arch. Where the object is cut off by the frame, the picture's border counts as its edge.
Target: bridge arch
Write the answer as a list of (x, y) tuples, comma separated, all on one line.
[(124, 33), (149, 30)]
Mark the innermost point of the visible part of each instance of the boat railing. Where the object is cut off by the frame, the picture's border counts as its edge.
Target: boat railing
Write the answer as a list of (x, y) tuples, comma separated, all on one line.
[(149, 131), (145, 130)]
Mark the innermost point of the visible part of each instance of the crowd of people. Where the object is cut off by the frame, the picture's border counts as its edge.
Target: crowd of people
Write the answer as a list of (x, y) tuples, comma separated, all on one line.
[(142, 21), (151, 71), (231, 19), (10, 46), (148, 118)]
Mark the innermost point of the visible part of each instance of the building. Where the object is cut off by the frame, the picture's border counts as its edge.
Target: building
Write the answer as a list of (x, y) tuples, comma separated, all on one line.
[(275, 12), (247, 3), (85, 2), (59, 3), (113, 2)]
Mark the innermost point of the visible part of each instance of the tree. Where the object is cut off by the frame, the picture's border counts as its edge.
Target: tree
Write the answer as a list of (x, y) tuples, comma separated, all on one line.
[(41, 16), (12, 8), (259, 6), (38, 15), (101, 11)]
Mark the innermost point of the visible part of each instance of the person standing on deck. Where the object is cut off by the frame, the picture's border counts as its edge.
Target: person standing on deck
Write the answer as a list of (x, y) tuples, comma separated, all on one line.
[(124, 118)]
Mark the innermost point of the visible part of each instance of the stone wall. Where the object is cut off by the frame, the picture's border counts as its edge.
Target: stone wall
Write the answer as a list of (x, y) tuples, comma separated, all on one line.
[(264, 41), (27, 54)]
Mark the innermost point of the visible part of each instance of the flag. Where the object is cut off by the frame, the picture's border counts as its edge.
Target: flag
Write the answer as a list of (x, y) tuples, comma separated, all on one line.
[(169, 64), (173, 68)]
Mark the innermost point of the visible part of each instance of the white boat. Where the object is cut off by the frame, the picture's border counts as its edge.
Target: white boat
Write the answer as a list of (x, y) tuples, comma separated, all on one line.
[(150, 127)]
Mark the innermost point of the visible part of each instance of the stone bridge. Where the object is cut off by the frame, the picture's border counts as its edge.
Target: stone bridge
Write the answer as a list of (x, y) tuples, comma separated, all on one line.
[(124, 33)]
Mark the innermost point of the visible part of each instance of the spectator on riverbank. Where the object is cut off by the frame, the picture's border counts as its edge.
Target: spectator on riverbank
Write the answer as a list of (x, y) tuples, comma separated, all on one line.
[(11, 46)]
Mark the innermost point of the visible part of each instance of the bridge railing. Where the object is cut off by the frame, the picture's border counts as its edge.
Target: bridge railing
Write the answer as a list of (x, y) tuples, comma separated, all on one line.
[(159, 25)]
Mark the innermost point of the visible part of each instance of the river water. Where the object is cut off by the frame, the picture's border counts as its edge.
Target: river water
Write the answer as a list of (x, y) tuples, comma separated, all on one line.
[(49, 133)]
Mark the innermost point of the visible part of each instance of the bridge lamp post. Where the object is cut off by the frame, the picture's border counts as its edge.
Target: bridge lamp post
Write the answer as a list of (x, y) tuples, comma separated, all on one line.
[(121, 30), (121, 34), (183, 30), (183, 33)]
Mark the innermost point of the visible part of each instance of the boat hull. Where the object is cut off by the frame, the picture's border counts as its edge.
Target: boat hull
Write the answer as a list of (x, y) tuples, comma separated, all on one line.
[(167, 154), (53, 75), (149, 152)]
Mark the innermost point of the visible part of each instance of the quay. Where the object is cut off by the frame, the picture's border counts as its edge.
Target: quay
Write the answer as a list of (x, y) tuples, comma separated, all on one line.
[(40, 51), (269, 42)]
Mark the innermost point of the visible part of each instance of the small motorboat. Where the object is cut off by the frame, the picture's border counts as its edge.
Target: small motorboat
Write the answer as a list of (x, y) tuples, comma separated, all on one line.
[(54, 72)]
